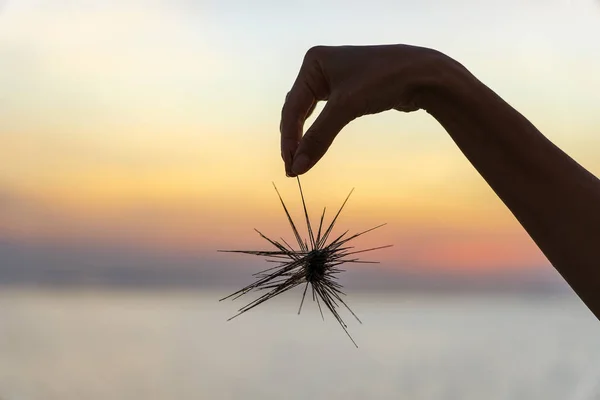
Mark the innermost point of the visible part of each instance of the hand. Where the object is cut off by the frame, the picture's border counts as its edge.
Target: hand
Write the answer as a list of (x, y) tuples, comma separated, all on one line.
[(355, 81), (554, 198)]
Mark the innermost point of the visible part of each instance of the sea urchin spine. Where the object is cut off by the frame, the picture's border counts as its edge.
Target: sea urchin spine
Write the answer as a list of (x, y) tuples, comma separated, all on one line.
[(315, 263)]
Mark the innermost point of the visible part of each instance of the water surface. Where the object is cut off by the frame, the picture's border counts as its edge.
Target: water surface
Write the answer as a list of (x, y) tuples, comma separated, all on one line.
[(177, 345)]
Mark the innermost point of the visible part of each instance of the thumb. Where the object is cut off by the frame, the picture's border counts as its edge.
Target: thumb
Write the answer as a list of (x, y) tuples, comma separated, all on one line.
[(320, 136)]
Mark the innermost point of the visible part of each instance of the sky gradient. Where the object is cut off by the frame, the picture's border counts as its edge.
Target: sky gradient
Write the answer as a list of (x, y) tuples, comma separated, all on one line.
[(155, 124)]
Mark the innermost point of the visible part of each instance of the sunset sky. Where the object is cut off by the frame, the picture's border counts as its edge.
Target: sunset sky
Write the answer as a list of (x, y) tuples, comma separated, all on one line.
[(154, 124)]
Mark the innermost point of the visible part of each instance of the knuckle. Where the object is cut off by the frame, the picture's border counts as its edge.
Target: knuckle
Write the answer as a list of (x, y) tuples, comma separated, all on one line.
[(347, 103), (316, 143), (286, 105), (343, 98), (315, 53), (289, 116)]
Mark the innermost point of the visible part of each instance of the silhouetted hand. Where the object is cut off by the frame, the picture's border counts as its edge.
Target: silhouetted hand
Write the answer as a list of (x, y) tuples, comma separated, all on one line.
[(554, 198), (355, 81)]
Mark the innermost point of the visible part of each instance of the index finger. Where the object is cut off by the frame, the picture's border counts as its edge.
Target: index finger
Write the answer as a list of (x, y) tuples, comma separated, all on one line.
[(299, 102)]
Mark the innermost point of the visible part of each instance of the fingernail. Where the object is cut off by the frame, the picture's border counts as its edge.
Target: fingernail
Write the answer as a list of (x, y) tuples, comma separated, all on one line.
[(301, 164)]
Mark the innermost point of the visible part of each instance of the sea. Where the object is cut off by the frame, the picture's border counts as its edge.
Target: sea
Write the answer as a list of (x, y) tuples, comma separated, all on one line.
[(111, 344)]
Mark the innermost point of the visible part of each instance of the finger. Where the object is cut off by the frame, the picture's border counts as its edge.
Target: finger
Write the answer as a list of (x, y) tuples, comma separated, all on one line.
[(299, 102), (288, 155), (310, 87), (319, 137), (311, 110)]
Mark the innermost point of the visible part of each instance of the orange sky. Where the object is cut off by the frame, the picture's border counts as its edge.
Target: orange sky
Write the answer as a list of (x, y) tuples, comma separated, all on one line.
[(157, 125)]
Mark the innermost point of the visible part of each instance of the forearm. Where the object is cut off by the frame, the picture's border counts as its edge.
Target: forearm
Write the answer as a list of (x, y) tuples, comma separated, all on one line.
[(555, 199)]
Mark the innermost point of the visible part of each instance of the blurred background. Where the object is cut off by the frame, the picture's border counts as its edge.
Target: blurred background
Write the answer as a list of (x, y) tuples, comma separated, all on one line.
[(139, 137)]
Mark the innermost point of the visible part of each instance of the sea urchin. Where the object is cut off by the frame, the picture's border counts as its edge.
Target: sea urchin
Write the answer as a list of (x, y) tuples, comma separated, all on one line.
[(315, 264)]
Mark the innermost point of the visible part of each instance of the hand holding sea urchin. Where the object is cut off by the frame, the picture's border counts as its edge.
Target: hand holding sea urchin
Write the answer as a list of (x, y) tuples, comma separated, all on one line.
[(315, 264)]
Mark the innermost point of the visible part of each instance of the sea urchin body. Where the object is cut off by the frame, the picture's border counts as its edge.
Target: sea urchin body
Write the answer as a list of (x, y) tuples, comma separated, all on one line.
[(315, 264)]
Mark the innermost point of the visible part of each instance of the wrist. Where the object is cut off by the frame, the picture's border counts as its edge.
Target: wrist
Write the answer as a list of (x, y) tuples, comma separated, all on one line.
[(443, 82)]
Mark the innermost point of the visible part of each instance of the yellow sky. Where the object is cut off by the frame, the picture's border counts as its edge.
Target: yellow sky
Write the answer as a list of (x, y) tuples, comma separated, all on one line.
[(157, 124)]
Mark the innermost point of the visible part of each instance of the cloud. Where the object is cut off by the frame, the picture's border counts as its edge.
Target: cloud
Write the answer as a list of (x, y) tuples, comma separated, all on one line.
[(23, 215), (72, 265), (14, 202)]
